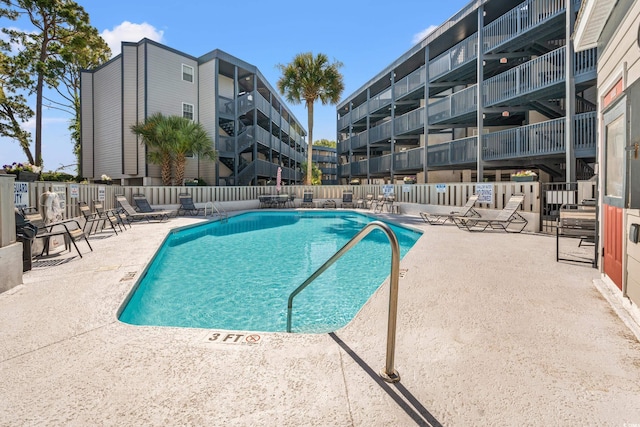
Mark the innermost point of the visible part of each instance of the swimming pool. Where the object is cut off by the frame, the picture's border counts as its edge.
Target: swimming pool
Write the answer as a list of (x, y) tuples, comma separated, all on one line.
[(239, 274)]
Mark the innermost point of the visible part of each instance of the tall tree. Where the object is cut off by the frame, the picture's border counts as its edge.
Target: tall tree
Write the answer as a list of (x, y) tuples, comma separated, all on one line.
[(62, 28), (325, 143), (308, 79), (13, 106)]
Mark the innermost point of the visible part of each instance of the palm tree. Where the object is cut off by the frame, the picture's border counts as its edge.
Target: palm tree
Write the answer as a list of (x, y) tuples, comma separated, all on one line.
[(170, 139), (192, 138), (308, 78), (156, 135)]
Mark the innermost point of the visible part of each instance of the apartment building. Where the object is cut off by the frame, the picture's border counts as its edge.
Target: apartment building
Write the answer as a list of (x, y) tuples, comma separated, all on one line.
[(253, 131), (327, 161), (525, 92)]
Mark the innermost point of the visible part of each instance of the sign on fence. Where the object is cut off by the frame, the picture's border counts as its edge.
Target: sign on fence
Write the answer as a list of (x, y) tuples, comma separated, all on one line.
[(485, 193), (74, 191), (21, 194), (441, 188), (387, 190), (61, 191), (102, 191)]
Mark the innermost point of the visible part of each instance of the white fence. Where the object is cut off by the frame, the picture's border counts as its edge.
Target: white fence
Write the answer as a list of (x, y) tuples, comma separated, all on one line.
[(452, 194)]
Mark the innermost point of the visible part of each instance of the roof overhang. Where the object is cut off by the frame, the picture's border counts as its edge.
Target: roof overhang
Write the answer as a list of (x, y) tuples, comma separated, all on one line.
[(592, 18)]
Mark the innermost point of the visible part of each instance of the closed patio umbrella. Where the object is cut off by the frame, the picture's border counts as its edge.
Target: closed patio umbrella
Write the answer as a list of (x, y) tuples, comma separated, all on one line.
[(278, 179)]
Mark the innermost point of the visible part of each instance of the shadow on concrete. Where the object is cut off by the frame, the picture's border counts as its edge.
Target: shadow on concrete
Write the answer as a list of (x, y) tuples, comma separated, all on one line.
[(409, 404)]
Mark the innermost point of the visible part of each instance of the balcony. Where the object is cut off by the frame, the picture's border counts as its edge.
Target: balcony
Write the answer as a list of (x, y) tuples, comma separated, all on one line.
[(410, 83), (454, 106), (456, 57), (524, 18), (411, 122), (409, 160), (531, 141)]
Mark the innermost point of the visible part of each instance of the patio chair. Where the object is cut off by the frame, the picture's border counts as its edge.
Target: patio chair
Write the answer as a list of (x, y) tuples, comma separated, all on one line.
[(187, 205), (142, 205), (68, 229), (133, 215), (347, 199), (506, 217), (91, 218), (439, 219), (307, 200), (119, 215)]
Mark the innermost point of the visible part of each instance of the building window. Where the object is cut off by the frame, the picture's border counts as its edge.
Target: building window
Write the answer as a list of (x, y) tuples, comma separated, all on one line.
[(187, 73), (187, 111)]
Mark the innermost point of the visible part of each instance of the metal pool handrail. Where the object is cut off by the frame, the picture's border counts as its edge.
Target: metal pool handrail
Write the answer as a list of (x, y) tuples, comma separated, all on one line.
[(223, 215), (388, 374)]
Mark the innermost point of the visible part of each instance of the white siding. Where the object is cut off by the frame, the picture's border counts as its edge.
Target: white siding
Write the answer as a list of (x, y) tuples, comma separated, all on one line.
[(225, 86), (621, 48), (166, 89), (107, 103), (86, 130)]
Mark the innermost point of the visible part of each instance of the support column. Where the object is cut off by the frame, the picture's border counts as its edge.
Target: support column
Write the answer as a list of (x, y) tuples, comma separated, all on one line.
[(216, 97), (425, 160), (236, 155), (570, 91), (368, 138), (480, 79), (393, 126)]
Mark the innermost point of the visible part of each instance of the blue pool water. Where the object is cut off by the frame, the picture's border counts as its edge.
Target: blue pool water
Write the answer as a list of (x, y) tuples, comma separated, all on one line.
[(238, 275)]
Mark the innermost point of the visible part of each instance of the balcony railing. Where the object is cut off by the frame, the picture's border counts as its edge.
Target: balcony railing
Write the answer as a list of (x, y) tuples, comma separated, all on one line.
[(520, 19), (544, 71), (460, 54), (538, 139), (359, 140), (380, 100), (457, 104), (381, 164), (380, 132), (411, 121), (408, 160), (410, 83), (359, 168)]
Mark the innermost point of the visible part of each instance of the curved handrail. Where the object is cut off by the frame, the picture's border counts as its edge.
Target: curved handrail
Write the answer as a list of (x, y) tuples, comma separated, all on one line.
[(223, 215), (389, 374)]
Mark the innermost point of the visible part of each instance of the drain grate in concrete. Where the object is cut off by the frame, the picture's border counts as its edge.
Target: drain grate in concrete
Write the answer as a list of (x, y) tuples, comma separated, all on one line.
[(402, 273), (129, 276)]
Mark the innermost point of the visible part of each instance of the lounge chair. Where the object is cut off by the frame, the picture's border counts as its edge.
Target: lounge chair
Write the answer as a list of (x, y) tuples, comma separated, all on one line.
[(142, 205), (187, 206), (307, 200), (133, 215), (100, 221), (506, 217), (439, 219), (118, 214), (329, 204), (347, 199), (69, 229)]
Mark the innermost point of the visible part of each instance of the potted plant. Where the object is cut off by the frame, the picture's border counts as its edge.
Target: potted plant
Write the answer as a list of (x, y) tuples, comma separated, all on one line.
[(191, 182), (524, 176), (354, 181), (23, 171), (409, 180), (105, 179)]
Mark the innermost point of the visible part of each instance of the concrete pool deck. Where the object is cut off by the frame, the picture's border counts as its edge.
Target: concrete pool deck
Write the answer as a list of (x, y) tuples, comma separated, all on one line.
[(492, 331)]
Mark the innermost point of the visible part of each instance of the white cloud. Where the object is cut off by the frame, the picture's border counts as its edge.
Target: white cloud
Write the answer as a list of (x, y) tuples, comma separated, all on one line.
[(417, 38), (130, 32)]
